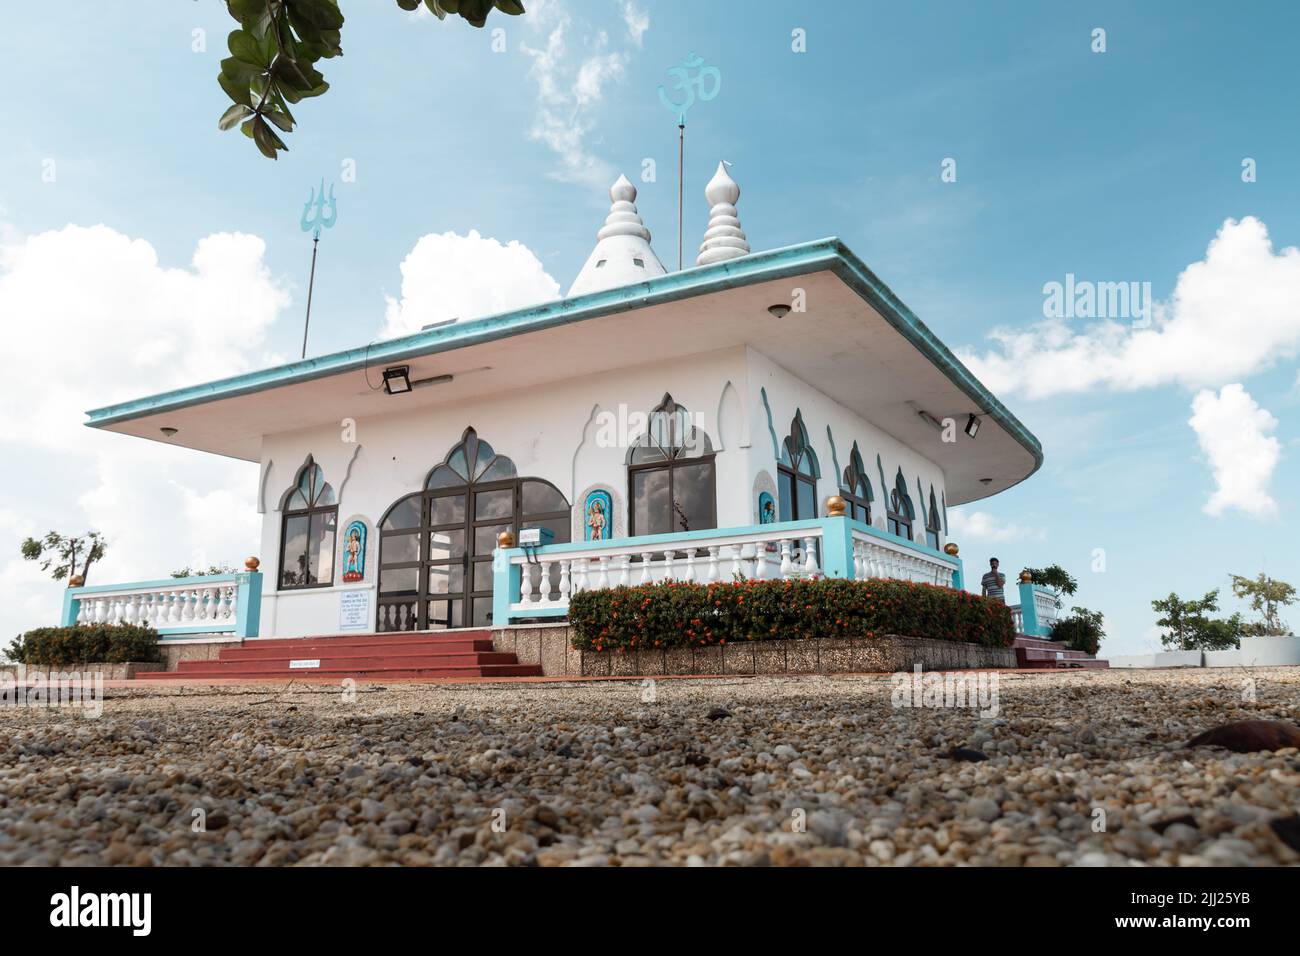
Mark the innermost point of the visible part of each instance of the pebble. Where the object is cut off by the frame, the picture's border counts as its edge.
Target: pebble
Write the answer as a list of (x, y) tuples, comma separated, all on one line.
[(784, 771)]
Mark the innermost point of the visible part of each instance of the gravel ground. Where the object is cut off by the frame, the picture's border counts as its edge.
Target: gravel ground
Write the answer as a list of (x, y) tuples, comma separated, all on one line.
[(749, 771)]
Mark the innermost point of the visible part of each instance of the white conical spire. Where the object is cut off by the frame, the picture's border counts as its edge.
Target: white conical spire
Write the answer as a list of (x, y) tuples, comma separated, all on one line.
[(724, 238), (622, 254)]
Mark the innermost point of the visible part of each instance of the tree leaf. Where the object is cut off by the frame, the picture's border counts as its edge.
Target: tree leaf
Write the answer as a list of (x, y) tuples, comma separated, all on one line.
[(511, 8), (247, 48), (266, 139), (234, 115)]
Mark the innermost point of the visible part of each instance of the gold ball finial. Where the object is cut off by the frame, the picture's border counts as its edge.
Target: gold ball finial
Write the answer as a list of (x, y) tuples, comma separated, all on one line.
[(76, 581), (506, 539), (835, 506), (1026, 577), (951, 548), (252, 564)]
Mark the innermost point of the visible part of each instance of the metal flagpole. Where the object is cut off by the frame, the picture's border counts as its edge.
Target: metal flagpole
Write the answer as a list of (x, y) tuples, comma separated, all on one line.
[(316, 222), (681, 151), (310, 283), (696, 82)]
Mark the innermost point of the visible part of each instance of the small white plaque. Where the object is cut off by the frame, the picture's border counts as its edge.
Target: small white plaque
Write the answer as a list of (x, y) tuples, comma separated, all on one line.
[(304, 665), (354, 610)]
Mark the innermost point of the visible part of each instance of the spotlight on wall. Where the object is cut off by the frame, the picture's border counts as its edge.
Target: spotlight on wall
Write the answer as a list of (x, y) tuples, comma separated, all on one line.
[(397, 380), (168, 431), (779, 311), (972, 426)]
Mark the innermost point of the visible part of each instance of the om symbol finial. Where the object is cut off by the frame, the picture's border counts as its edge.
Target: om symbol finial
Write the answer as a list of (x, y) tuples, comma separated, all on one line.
[(692, 88), (318, 202)]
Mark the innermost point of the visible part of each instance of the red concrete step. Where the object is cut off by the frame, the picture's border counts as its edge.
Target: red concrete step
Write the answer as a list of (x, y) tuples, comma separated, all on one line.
[(376, 673), (361, 640), (408, 656), (270, 650), (352, 663)]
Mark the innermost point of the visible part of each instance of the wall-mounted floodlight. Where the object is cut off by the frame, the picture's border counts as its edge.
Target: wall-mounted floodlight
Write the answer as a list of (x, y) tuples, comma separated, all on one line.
[(397, 380), (972, 426)]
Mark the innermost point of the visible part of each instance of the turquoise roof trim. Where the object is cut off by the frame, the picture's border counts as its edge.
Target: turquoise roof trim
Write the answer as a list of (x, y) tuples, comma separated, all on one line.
[(820, 255)]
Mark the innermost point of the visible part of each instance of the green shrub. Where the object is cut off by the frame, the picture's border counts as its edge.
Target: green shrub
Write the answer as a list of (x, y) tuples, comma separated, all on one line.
[(677, 614), (85, 644), (1081, 631)]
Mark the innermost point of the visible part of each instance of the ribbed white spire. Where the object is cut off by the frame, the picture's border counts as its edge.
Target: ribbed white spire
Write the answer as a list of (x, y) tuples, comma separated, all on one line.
[(623, 254), (724, 238)]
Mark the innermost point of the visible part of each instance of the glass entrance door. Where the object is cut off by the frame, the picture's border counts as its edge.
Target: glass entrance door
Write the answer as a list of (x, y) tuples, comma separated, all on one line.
[(436, 546)]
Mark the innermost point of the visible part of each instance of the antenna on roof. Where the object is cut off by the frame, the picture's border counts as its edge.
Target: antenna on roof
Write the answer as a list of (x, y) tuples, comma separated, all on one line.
[(692, 89), (316, 222)]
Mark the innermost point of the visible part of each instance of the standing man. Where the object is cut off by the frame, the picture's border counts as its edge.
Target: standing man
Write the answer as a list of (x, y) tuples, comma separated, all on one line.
[(993, 582)]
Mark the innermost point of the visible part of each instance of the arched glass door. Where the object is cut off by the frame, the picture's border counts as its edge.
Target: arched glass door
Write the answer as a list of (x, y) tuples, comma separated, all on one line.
[(435, 546)]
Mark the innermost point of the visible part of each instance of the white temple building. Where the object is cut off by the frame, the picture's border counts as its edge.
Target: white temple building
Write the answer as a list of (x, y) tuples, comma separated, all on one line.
[(696, 424)]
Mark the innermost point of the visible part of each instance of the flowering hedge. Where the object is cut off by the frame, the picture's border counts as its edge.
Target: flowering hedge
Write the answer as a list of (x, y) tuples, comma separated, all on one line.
[(677, 614), (86, 644)]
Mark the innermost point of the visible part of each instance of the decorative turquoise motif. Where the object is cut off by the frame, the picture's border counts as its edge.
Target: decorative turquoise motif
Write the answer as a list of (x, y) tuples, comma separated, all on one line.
[(692, 89), (354, 552), (319, 220), (766, 508), (598, 517)]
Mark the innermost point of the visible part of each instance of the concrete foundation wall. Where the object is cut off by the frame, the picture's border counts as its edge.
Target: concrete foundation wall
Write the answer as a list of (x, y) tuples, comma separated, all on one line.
[(549, 646)]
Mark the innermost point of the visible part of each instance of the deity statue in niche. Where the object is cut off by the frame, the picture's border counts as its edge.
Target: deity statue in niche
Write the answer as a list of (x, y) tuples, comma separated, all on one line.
[(598, 514), (766, 509), (354, 552)]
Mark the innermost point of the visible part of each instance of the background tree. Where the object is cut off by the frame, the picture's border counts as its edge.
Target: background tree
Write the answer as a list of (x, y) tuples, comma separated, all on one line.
[(1267, 595), (60, 553), (1190, 626), (1082, 630), (274, 52), (189, 572), (1055, 577)]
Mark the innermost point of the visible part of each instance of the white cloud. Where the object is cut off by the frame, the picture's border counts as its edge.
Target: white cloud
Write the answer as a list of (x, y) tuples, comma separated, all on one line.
[(447, 276), (1233, 313), (571, 84), (1233, 433), (982, 526), (636, 20), (90, 318)]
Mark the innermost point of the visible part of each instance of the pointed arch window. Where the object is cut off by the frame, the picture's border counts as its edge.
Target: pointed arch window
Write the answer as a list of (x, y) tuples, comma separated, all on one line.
[(855, 489), (307, 531), (932, 523), (900, 513), (797, 473), (671, 475)]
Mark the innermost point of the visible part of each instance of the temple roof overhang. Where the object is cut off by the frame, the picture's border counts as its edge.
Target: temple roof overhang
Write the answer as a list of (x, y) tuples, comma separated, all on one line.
[(857, 343)]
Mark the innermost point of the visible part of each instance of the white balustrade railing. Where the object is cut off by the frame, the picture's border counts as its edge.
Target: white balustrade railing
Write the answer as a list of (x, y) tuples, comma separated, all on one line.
[(778, 552), (1045, 606), (204, 607), (548, 581), (875, 556)]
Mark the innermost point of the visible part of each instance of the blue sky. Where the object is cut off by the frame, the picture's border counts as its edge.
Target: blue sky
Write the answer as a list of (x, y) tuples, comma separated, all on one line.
[(1113, 166)]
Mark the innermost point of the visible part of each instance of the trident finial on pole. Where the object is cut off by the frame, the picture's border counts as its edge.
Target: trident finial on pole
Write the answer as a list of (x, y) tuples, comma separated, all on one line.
[(693, 89), (314, 223)]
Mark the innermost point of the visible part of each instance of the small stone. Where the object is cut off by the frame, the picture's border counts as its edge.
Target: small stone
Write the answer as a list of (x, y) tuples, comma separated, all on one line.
[(718, 713), (982, 808), (964, 753), (1248, 736)]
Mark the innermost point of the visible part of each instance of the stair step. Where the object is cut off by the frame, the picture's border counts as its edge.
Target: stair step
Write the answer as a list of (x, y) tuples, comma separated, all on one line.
[(333, 649), (350, 663), (371, 673), (358, 640)]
